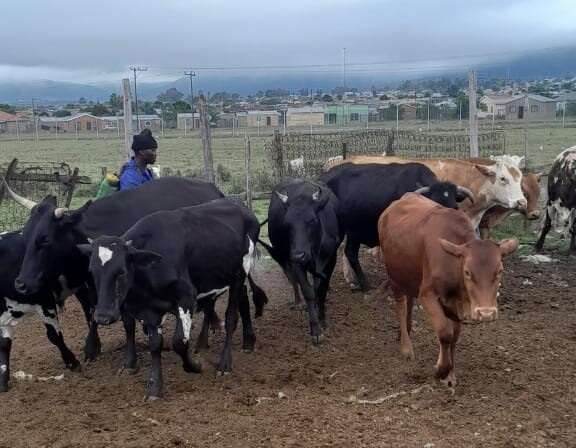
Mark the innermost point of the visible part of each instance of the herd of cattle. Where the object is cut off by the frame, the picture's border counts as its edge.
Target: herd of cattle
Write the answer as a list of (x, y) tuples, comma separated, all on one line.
[(173, 246)]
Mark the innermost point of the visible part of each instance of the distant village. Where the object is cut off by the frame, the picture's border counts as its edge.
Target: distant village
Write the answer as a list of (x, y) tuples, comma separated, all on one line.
[(441, 99)]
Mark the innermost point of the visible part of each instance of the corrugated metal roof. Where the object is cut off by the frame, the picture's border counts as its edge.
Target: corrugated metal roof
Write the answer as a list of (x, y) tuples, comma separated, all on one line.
[(542, 99), (5, 116)]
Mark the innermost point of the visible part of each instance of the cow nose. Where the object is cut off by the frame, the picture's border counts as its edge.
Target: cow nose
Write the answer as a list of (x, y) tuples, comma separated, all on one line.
[(104, 318), (534, 214), (298, 257), (486, 314), (521, 204), (20, 286)]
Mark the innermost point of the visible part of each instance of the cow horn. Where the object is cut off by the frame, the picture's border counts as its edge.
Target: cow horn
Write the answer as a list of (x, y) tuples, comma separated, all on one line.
[(316, 195), (59, 212), (17, 198), (422, 190), (466, 192), (283, 197)]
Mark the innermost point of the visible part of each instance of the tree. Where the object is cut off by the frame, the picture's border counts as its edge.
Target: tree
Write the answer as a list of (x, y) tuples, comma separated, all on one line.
[(98, 110), (62, 113), (7, 108), (172, 95), (82, 100), (181, 106), (115, 102)]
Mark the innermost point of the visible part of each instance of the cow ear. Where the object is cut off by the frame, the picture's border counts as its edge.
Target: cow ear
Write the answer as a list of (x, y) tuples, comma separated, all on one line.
[(508, 246), (70, 219), (144, 258), (85, 249), (451, 248), (320, 198), (486, 170), (283, 197)]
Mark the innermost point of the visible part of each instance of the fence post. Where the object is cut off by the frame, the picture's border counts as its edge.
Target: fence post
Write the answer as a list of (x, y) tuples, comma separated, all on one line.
[(70, 185), (277, 149), (128, 122), (525, 147), (344, 150), (390, 144), (206, 139), (473, 115), (248, 168)]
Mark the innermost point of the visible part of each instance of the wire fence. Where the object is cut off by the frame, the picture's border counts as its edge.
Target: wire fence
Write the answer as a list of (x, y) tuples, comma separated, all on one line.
[(35, 181)]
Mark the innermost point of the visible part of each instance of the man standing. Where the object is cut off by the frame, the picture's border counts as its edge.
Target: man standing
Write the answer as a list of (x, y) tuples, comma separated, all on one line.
[(135, 172)]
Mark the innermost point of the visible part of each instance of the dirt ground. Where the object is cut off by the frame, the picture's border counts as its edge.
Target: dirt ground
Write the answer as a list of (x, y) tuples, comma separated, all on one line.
[(516, 379)]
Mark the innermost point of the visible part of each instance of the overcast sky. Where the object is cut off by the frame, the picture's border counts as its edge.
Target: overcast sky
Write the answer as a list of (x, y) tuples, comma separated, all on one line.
[(70, 40)]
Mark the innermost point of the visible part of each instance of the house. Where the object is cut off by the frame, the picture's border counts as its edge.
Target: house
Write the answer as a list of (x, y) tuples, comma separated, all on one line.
[(232, 119), (184, 121), (520, 107), (342, 114), (564, 99), (13, 124), (85, 122), (263, 118), (305, 116)]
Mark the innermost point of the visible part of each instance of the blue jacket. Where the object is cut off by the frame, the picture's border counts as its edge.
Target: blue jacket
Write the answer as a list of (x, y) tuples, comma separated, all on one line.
[(131, 176)]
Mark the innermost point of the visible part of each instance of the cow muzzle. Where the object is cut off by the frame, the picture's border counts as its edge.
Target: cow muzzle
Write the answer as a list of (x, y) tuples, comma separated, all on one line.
[(535, 214), (520, 204), (485, 314), (299, 257), (105, 318), (21, 287)]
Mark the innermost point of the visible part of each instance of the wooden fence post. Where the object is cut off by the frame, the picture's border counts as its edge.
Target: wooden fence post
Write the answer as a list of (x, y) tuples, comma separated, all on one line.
[(70, 186), (206, 139), (344, 150), (248, 168), (127, 104)]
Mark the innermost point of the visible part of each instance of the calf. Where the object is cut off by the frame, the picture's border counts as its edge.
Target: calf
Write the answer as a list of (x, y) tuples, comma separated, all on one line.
[(305, 235), (169, 260), (366, 190), (561, 198), (14, 307), (432, 253)]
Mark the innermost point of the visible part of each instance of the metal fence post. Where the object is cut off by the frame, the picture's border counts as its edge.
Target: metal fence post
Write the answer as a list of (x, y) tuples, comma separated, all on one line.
[(248, 168)]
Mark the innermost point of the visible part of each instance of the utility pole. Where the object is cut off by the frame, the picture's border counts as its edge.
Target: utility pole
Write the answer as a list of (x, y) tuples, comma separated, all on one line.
[(137, 69), (191, 75), (473, 114), (428, 113), (126, 153), (344, 67), (34, 119), (206, 139)]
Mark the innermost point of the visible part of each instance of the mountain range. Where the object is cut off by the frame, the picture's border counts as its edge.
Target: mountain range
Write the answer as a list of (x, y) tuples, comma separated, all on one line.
[(537, 65)]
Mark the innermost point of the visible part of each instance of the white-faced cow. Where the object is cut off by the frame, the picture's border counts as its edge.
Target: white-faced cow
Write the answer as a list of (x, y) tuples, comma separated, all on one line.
[(561, 205), (366, 190), (52, 234), (305, 236), (166, 262), (432, 253), (14, 307)]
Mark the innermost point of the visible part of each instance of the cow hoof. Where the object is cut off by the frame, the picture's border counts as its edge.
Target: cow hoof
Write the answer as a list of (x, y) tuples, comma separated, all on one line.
[(355, 287), (297, 306), (449, 381), (222, 372), (3, 388), (193, 367), (316, 340), (127, 370), (248, 344), (152, 398), (74, 366)]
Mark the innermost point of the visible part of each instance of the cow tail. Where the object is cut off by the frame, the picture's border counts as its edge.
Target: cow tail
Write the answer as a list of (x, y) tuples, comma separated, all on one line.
[(259, 297)]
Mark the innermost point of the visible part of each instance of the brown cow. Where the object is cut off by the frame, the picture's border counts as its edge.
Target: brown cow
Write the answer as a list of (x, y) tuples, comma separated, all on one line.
[(431, 252)]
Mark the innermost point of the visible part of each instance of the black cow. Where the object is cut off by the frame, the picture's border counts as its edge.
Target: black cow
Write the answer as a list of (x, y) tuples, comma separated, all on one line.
[(561, 203), (305, 235), (167, 261), (52, 234), (14, 306), (365, 191)]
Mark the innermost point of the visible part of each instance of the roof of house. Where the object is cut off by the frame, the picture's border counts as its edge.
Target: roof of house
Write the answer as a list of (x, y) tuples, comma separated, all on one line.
[(262, 112), (306, 110), (540, 98), (70, 118), (503, 99), (187, 115), (569, 96), (5, 116)]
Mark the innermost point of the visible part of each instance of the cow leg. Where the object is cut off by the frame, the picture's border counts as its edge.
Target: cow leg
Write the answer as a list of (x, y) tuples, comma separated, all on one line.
[(248, 335), (572, 249), (180, 342), (298, 304), (457, 329), (54, 334), (484, 232), (545, 229), (323, 286), (310, 297), (403, 310), (130, 357), (207, 307), (351, 253), (445, 331), (225, 363), (92, 344), (5, 347), (155, 385)]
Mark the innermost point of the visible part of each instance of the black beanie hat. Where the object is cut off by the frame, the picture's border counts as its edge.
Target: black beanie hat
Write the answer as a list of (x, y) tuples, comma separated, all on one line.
[(143, 141)]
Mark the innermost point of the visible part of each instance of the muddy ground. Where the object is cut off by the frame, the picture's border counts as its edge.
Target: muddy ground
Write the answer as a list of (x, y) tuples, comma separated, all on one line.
[(516, 379)]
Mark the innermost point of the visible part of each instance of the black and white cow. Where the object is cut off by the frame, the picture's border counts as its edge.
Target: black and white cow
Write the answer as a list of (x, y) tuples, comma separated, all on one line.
[(305, 236), (51, 236), (366, 190), (14, 307), (169, 260), (561, 204)]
